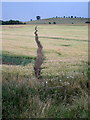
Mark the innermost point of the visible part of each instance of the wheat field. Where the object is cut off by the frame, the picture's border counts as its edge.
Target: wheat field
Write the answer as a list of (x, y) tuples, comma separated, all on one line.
[(63, 90)]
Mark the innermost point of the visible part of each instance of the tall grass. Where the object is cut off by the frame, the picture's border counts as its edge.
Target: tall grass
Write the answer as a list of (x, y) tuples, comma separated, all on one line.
[(26, 97)]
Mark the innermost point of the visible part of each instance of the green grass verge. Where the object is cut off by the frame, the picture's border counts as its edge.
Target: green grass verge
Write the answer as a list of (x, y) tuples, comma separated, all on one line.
[(25, 97)]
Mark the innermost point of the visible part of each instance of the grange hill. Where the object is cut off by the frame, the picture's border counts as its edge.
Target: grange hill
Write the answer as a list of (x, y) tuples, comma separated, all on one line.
[(59, 21)]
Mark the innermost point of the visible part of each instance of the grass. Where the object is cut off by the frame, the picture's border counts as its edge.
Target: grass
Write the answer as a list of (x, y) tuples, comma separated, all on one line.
[(64, 39), (61, 21), (25, 97), (63, 90), (16, 60)]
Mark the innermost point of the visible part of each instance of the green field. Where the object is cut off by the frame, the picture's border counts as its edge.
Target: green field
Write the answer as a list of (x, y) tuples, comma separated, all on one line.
[(63, 90)]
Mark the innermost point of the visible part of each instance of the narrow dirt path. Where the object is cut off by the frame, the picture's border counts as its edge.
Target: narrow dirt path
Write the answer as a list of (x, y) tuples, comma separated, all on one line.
[(39, 60)]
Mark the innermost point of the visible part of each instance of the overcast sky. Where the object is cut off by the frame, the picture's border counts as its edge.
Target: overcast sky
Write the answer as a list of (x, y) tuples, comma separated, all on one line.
[(25, 11)]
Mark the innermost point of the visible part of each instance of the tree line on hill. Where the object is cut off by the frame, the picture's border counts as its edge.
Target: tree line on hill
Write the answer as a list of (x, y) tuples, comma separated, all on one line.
[(68, 17), (11, 22), (39, 17)]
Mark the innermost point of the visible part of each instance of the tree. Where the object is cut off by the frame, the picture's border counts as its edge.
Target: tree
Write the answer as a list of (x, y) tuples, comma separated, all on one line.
[(49, 22), (38, 17), (54, 22)]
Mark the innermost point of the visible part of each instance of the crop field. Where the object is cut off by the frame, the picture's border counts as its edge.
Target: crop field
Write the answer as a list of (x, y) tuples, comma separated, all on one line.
[(62, 92)]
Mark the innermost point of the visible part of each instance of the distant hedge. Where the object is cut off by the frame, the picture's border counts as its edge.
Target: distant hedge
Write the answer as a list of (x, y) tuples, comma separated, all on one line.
[(11, 22), (88, 22)]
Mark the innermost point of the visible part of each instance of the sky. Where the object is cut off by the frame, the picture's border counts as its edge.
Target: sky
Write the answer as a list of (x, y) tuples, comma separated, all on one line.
[(25, 11)]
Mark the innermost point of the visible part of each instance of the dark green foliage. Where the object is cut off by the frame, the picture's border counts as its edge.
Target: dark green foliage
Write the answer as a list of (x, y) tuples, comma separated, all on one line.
[(87, 22), (16, 60), (49, 22), (15, 98), (11, 22), (54, 22), (38, 17), (63, 112)]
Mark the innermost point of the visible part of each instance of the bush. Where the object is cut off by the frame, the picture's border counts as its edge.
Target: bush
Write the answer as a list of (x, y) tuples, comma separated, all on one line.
[(49, 22), (54, 22)]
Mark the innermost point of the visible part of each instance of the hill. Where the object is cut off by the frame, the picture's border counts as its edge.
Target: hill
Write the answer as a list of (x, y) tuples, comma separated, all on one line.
[(59, 21)]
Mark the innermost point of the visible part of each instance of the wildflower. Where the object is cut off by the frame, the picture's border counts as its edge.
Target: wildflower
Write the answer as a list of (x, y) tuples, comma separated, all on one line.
[(46, 82), (71, 77), (66, 83)]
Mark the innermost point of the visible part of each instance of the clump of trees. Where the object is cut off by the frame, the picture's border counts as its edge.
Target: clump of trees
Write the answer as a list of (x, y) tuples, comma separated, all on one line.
[(87, 22), (11, 22), (68, 17)]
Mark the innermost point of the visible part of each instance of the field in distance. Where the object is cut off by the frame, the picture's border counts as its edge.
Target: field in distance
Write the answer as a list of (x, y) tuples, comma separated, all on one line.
[(59, 21), (65, 49)]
